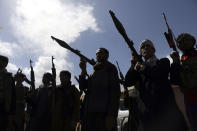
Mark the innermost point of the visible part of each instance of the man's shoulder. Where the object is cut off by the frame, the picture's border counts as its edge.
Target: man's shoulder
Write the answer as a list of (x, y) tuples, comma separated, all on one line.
[(111, 67), (6, 74), (165, 61), (74, 89)]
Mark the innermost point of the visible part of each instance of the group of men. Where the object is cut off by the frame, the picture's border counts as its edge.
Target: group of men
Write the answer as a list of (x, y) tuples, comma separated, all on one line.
[(47, 108), (152, 102), (59, 108)]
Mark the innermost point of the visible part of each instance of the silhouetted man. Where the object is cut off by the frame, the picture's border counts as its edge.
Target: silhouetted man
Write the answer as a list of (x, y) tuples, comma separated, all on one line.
[(21, 93), (7, 96), (184, 74), (41, 117), (103, 93), (66, 111), (161, 112)]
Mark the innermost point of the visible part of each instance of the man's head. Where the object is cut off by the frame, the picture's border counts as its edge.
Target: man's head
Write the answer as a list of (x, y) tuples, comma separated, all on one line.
[(3, 61), (47, 78), (186, 42), (102, 55), (65, 76), (147, 49)]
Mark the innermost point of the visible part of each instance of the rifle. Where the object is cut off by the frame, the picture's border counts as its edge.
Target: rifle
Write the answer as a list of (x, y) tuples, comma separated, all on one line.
[(122, 80), (122, 31), (77, 52), (32, 77), (170, 36), (127, 99), (53, 72)]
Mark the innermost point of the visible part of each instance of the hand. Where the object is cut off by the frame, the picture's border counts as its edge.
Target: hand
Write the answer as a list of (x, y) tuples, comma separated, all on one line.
[(78, 127), (139, 66), (82, 65), (109, 122), (175, 57), (133, 59), (24, 77)]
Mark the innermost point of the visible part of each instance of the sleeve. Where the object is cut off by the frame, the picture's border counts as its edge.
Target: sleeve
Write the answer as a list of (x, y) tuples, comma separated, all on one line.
[(10, 94), (114, 96), (131, 77), (175, 70), (83, 83), (76, 100), (161, 70)]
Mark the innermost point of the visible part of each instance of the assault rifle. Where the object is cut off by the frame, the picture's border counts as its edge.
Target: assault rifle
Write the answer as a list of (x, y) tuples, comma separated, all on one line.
[(122, 31), (53, 72), (77, 52), (32, 77), (170, 36), (122, 80)]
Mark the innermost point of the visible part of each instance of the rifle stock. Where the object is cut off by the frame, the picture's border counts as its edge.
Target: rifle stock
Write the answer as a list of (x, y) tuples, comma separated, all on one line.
[(122, 31), (77, 52)]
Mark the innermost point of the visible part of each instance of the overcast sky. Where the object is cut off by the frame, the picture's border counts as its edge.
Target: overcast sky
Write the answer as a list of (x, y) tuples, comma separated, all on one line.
[(86, 25)]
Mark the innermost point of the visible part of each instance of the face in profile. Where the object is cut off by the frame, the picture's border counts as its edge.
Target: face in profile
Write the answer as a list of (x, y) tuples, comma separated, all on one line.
[(147, 51), (186, 44), (3, 64), (101, 55)]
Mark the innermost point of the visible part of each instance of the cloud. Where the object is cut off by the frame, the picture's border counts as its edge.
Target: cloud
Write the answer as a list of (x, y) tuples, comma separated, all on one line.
[(12, 67), (34, 21), (8, 49), (43, 65)]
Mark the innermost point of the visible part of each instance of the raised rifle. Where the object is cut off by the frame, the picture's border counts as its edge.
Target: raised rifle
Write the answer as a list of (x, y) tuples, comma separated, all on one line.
[(53, 72), (171, 39), (122, 79), (122, 31), (77, 52), (120, 73), (32, 77), (131, 106)]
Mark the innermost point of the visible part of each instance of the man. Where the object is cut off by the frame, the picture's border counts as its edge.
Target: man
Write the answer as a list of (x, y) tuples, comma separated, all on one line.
[(184, 74), (41, 116), (103, 93), (66, 111), (7, 96), (161, 112), (21, 94)]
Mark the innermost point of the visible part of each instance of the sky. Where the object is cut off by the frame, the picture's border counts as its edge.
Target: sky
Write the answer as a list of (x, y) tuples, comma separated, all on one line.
[(26, 27)]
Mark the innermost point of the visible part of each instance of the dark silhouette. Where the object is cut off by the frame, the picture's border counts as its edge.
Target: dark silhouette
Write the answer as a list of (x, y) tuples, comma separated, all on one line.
[(21, 97), (41, 116), (66, 112), (161, 112), (103, 93), (7, 96), (184, 74)]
